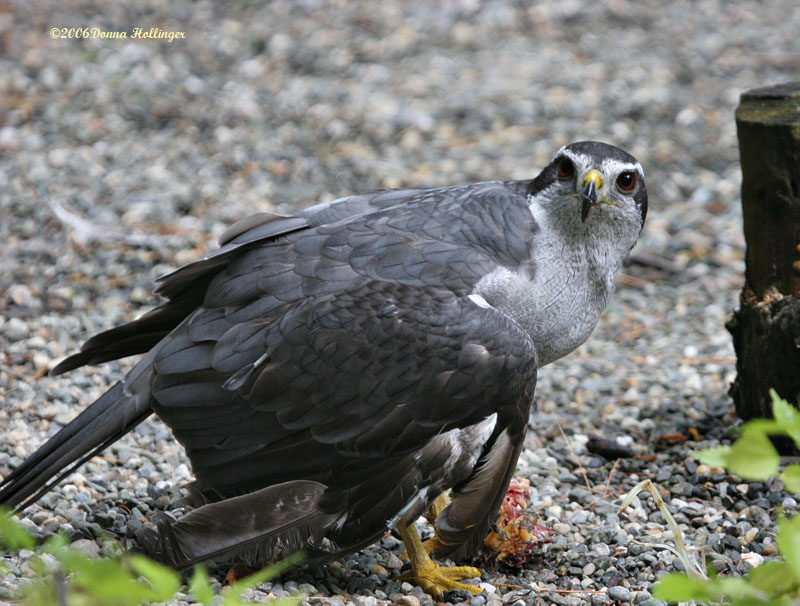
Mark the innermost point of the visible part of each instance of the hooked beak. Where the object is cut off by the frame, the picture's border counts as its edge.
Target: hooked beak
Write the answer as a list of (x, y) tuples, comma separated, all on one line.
[(589, 195)]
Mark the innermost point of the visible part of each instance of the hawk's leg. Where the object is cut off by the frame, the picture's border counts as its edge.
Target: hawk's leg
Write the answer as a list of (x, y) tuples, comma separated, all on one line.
[(433, 578), (434, 509), (437, 507)]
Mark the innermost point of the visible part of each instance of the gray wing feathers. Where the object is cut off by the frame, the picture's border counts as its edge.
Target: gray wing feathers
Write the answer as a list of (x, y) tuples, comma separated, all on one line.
[(243, 527), (374, 372), (253, 227), (264, 227)]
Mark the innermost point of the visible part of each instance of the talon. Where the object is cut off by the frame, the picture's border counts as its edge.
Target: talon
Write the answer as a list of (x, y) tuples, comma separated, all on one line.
[(437, 579), (430, 576)]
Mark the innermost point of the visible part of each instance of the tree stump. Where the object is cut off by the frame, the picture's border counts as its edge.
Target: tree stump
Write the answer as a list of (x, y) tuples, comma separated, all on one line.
[(766, 329)]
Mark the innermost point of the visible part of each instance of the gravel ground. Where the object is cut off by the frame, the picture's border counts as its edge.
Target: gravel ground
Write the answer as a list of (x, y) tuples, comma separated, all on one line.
[(161, 145)]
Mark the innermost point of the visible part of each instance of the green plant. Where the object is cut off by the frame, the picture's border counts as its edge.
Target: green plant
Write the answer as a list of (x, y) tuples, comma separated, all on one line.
[(66, 576), (752, 457)]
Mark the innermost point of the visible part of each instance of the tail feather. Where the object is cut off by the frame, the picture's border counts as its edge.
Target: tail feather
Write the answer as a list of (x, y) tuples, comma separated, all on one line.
[(102, 423), (255, 527), (134, 337)]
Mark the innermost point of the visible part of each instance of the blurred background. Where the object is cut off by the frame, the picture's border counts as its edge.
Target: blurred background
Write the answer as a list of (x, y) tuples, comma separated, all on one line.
[(123, 158)]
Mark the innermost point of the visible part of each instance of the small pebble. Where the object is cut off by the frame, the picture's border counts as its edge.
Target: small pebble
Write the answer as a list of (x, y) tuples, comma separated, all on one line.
[(752, 559), (89, 547), (619, 593), (15, 329), (487, 587)]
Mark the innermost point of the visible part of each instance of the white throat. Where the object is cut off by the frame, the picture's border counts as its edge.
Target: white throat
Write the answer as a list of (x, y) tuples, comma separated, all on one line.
[(559, 299)]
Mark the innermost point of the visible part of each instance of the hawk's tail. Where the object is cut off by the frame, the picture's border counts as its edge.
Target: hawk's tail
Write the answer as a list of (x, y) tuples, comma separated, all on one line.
[(105, 421)]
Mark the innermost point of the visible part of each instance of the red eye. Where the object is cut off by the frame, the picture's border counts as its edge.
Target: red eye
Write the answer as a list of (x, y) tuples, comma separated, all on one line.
[(565, 168), (626, 181)]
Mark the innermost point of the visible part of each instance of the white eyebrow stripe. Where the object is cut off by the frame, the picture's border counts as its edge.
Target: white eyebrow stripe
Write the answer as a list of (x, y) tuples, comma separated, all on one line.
[(577, 158), (609, 166), (612, 166)]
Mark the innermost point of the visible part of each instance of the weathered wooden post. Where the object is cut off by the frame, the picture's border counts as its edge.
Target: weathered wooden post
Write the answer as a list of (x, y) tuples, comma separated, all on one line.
[(766, 329)]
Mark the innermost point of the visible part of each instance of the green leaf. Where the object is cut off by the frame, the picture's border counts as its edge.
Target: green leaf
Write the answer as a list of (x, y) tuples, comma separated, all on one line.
[(39, 566), (200, 586), (55, 543), (757, 601), (165, 581), (773, 578), (733, 588), (753, 456), (791, 477), (104, 579), (677, 587), (715, 457), (12, 535), (789, 544), (41, 592), (786, 415), (766, 426), (231, 597)]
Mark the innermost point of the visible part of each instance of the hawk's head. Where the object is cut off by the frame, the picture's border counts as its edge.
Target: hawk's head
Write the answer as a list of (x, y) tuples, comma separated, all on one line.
[(593, 183)]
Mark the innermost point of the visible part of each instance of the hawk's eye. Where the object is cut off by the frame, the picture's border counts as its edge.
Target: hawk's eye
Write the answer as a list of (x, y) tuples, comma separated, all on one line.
[(626, 181), (565, 168)]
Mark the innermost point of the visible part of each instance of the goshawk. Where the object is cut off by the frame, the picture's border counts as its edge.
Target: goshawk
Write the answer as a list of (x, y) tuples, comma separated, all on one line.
[(331, 371)]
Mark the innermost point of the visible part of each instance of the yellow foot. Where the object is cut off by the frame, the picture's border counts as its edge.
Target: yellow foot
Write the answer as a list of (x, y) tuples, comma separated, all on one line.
[(426, 573), (429, 546), (435, 579)]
